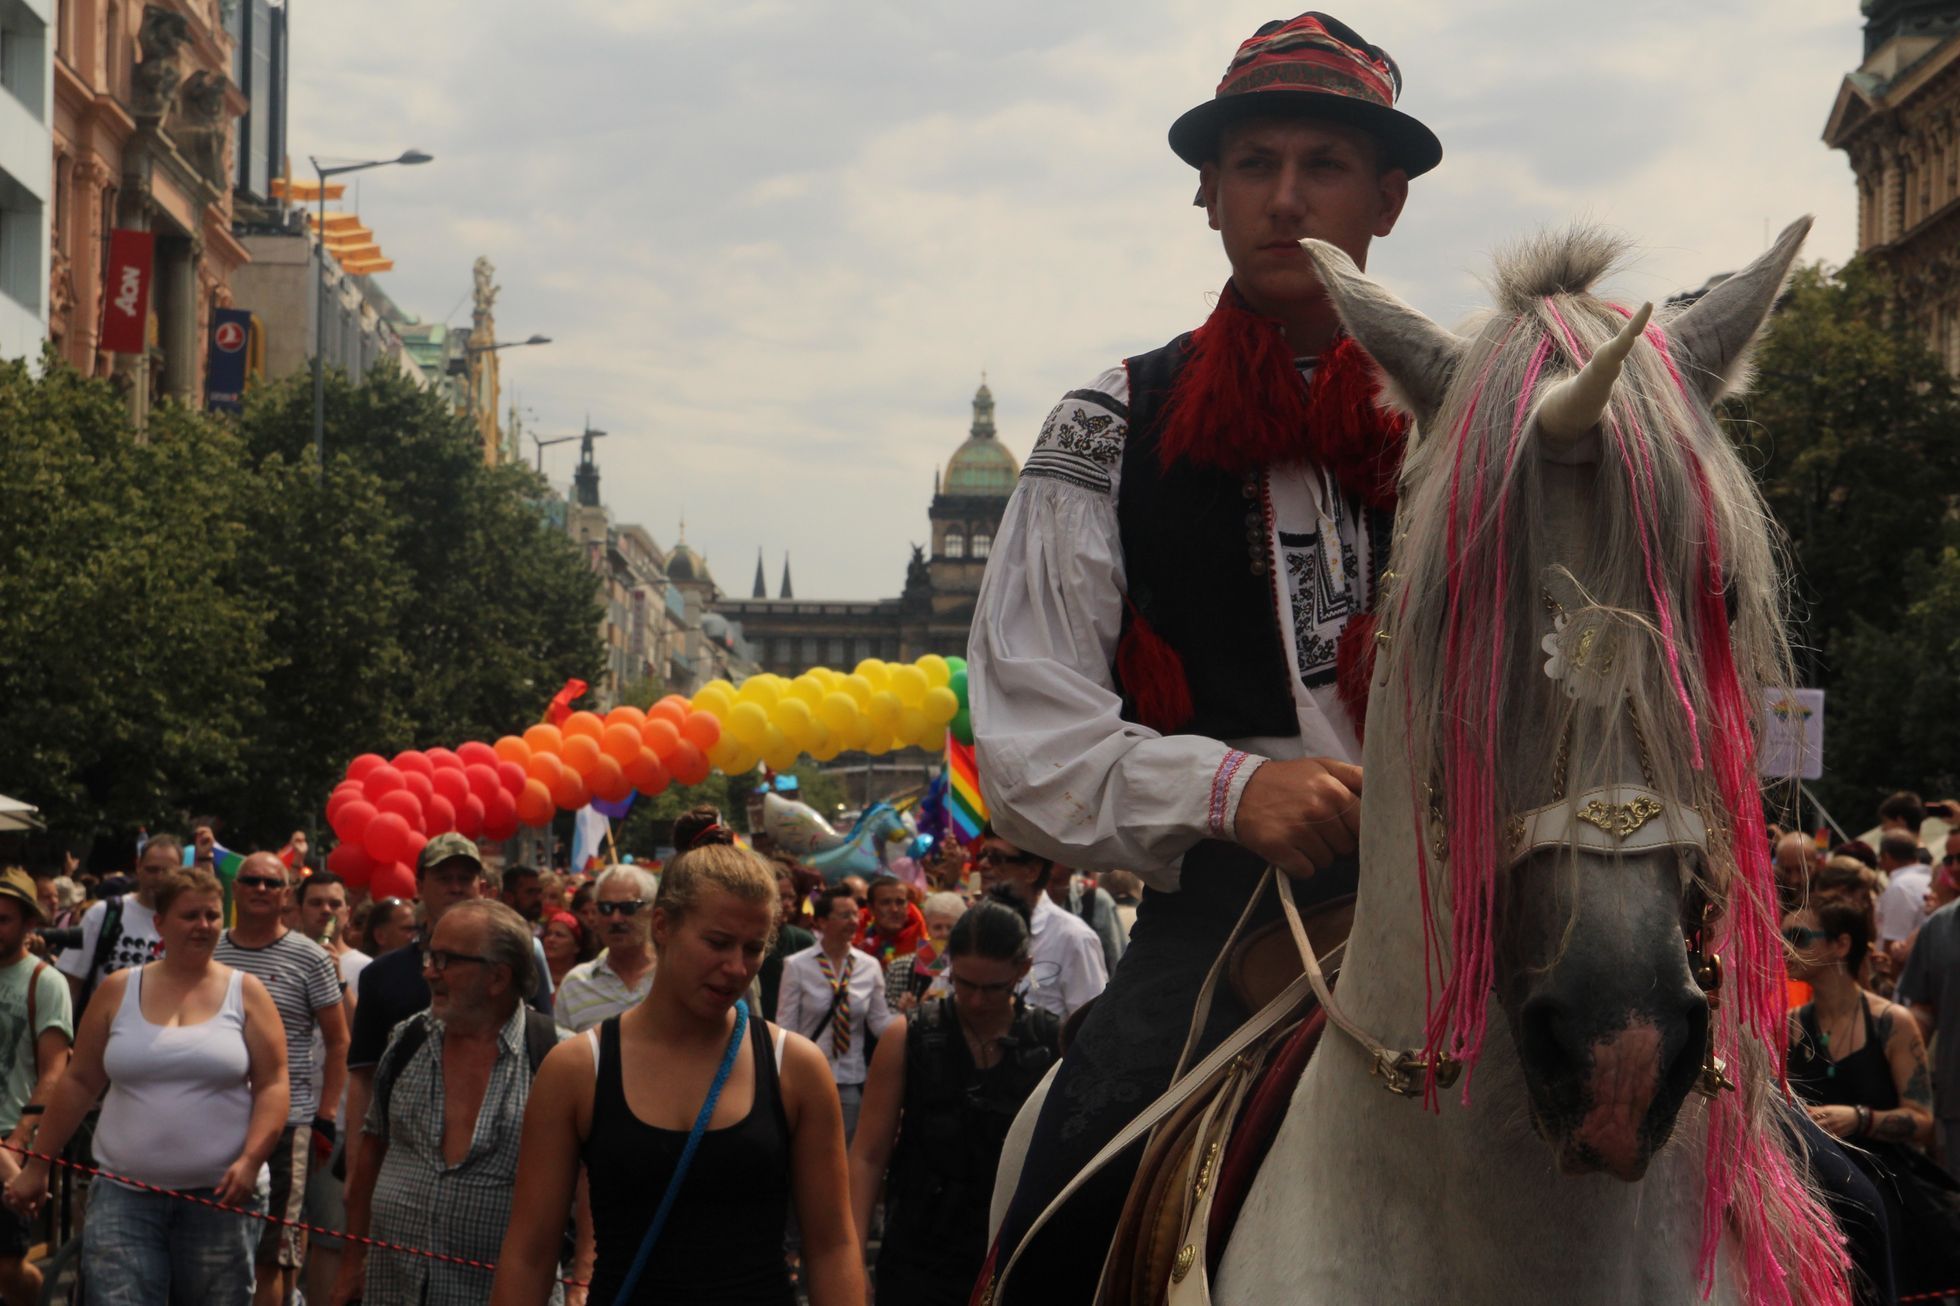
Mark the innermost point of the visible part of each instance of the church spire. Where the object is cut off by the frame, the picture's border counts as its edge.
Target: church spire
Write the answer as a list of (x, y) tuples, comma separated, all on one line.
[(787, 592), (983, 411), (761, 586)]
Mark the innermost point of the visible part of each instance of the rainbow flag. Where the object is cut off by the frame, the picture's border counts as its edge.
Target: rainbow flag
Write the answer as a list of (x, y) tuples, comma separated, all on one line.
[(225, 863), (963, 801)]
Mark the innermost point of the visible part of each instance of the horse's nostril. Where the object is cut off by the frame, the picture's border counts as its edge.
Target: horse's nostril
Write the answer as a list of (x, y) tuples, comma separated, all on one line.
[(1543, 1024), (1685, 1057)]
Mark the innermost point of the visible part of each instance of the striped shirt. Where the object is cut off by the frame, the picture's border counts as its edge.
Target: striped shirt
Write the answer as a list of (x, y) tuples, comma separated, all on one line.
[(302, 979), (593, 993)]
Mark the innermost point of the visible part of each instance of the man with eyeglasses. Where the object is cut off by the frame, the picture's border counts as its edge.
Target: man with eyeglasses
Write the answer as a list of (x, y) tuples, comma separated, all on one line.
[(1067, 955), (305, 987), (834, 995), (595, 991), (1930, 988)]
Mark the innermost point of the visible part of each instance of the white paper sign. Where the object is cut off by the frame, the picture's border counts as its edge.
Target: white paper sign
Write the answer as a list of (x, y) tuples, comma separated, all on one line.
[(1793, 735)]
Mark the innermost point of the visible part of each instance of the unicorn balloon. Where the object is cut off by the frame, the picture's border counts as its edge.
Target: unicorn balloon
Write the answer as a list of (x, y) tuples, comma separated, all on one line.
[(878, 839), (797, 827)]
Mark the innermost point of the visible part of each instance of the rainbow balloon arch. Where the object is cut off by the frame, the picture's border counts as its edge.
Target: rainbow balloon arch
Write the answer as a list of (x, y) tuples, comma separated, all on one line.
[(386, 809)]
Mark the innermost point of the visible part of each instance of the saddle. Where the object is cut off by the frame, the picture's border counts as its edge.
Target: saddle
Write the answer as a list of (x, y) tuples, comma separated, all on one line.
[(1202, 1157)]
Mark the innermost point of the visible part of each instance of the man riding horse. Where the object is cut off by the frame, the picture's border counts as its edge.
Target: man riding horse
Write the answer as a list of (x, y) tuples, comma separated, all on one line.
[(1170, 660)]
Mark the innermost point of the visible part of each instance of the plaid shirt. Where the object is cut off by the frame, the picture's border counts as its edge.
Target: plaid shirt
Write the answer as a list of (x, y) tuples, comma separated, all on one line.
[(422, 1201)]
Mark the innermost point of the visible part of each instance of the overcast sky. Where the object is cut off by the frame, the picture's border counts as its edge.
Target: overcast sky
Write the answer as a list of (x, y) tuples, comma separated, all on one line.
[(776, 242)]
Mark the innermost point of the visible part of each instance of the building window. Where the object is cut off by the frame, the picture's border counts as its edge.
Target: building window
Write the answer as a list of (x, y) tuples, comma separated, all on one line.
[(955, 545), (837, 653), (811, 651), (785, 651), (863, 648), (983, 544)]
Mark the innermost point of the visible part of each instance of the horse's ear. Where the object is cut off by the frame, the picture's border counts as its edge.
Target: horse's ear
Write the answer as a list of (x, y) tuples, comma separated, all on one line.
[(1419, 357), (1712, 338)]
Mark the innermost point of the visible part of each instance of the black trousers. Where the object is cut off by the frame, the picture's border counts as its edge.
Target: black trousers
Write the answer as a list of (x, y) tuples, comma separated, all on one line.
[(1122, 1059)]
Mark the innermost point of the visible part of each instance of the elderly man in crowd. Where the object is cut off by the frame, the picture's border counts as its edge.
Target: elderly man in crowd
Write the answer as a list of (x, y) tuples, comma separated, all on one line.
[(438, 1151), (305, 987), (596, 990)]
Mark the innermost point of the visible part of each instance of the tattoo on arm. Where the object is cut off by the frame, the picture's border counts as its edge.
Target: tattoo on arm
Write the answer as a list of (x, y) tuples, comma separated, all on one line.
[(1894, 1126), (1919, 1085)]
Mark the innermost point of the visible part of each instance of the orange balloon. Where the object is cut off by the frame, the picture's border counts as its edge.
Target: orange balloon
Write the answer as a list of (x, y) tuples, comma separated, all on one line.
[(608, 782), (545, 768), (670, 711), (534, 804), (626, 715), (702, 730), (543, 738), (621, 742), (512, 749), (646, 773), (660, 735), (581, 753), (689, 766), (583, 723), (570, 792)]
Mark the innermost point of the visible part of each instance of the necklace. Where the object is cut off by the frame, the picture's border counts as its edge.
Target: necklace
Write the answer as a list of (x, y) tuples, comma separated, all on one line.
[(1824, 1040)]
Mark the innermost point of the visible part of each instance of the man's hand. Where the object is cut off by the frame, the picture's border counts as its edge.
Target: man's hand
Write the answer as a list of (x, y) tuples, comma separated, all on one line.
[(352, 1279), (1301, 815), (240, 1181)]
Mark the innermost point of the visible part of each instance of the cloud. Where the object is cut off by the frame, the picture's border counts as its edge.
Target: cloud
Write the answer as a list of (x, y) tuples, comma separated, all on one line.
[(776, 244)]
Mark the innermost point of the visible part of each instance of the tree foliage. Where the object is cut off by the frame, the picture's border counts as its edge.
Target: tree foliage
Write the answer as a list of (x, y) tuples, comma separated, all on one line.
[(200, 621), (1852, 424)]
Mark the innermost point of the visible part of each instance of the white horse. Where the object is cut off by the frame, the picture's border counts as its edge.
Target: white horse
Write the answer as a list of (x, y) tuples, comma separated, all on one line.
[(1579, 876)]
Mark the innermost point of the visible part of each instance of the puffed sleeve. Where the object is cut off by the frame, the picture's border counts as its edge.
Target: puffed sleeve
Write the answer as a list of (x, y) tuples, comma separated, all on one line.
[(1062, 772)]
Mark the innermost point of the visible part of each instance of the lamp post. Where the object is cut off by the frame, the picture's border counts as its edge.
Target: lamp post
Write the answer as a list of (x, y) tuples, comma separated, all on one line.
[(470, 351), (322, 171), (587, 434)]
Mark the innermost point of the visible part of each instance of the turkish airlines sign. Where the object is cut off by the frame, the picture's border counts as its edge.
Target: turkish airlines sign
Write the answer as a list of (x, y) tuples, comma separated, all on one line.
[(126, 291)]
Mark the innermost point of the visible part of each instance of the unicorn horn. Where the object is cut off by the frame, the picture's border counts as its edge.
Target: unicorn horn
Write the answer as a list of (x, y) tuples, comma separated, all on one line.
[(1575, 406)]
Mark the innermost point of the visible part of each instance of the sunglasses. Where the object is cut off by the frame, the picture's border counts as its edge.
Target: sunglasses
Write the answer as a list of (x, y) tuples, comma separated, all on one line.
[(983, 990), (438, 961), (1798, 936), (630, 908), (260, 882)]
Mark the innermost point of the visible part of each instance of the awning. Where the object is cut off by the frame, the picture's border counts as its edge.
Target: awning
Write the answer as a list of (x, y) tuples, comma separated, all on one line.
[(16, 815)]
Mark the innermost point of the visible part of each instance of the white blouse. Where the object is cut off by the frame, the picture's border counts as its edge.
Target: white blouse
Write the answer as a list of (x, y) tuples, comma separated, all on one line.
[(1063, 773)]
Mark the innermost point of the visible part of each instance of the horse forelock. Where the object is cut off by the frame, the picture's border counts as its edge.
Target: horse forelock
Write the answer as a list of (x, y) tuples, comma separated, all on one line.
[(1571, 261)]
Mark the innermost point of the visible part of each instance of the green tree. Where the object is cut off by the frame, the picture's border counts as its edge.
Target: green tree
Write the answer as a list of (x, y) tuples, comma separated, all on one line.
[(1852, 424)]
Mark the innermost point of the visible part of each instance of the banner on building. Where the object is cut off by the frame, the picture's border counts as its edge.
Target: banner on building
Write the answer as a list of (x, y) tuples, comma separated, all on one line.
[(1793, 735), (224, 376), (126, 291)]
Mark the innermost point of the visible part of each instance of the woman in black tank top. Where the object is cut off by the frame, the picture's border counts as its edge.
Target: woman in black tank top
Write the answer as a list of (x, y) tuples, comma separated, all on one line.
[(620, 1102), (1859, 1065)]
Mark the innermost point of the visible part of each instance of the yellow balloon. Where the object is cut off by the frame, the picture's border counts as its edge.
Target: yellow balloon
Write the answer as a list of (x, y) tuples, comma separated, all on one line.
[(859, 688), (839, 710), (860, 733), (879, 743), (937, 672), (808, 688), (941, 705), (760, 691), (742, 763), (912, 724), (748, 723), (884, 712), (715, 700), (934, 740), (720, 686), (877, 673), (792, 717), (827, 751), (722, 756), (774, 743), (909, 683)]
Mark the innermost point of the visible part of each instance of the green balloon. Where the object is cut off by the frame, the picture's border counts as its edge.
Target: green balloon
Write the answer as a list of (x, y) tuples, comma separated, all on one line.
[(962, 727), (956, 665), (958, 685)]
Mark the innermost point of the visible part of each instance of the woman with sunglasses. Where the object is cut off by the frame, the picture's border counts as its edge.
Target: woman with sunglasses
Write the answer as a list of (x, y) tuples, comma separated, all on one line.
[(1859, 1064), (943, 1088)]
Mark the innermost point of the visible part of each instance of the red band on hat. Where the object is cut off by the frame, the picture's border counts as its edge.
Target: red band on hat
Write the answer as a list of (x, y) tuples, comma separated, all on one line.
[(1306, 55)]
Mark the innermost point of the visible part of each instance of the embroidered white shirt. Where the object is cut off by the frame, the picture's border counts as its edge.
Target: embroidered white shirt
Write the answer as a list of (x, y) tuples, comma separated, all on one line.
[(1063, 773)]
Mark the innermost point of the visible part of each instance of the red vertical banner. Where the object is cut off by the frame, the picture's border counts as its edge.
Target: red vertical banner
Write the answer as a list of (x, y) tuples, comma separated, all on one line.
[(126, 291)]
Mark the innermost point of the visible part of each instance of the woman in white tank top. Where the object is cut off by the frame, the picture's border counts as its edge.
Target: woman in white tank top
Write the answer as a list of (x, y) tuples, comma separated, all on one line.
[(193, 1056)]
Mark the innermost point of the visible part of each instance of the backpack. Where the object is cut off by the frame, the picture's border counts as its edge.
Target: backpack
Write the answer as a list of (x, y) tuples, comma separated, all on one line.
[(540, 1036), (106, 940)]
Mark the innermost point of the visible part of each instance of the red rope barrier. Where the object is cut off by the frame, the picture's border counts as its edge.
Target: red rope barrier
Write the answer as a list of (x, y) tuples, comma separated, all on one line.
[(383, 1244)]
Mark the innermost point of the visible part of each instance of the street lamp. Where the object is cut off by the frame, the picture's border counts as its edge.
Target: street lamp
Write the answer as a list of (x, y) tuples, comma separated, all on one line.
[(470, 351), (322, 171), (506, 344), (587, 434)]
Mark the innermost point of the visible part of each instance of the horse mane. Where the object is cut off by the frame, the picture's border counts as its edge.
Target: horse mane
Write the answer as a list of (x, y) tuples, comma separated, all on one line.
[(1678, 578)]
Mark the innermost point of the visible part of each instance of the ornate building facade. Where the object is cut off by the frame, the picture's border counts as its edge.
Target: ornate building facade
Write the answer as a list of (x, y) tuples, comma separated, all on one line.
[(934, 611), (1897, 118), (143, 140)]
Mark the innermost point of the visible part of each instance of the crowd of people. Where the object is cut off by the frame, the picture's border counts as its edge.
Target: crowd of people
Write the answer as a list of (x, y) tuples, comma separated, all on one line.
[(272, 1088)]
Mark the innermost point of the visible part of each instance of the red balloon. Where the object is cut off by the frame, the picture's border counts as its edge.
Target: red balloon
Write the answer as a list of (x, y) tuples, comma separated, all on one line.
[(351, 863), (469, 816), (403, 804), (534, 806), (387, 837), (339, 798), (410, 759), (416, 843), (420, 785), (452, 783), (438, 815), (383, 779), (646, 774), (476, 751), (483, 779), (702, 730), (393, 880), (501, 821), (443, 759), (351, 821), (688, 766), (358, 768), (609, 783), (513, 777), (662, 736)]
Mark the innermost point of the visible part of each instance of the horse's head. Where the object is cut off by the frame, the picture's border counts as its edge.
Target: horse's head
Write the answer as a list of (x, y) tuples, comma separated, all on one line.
[(1584, 606)]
